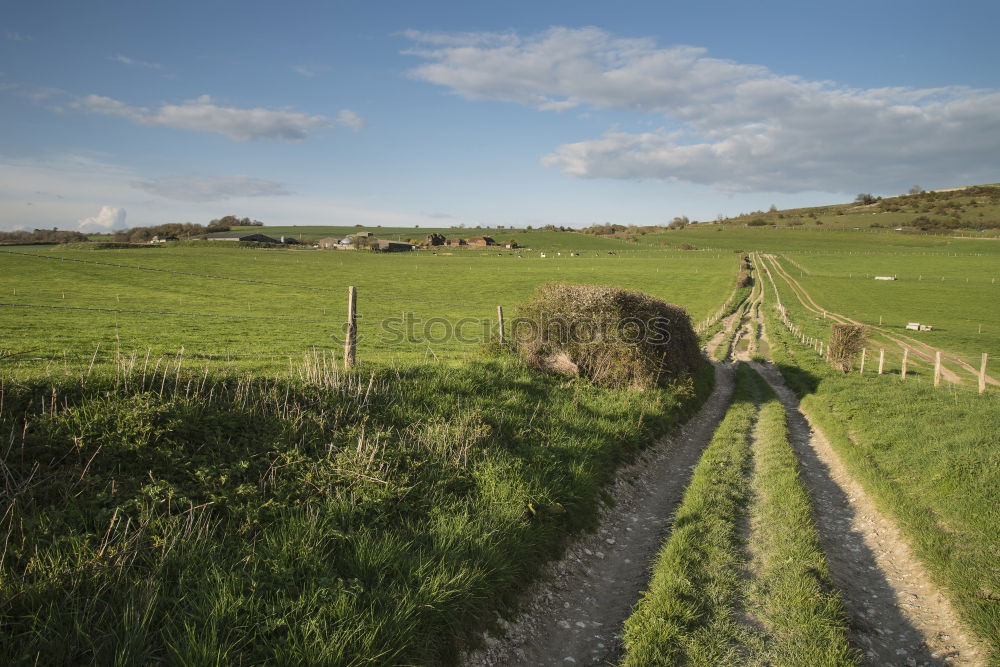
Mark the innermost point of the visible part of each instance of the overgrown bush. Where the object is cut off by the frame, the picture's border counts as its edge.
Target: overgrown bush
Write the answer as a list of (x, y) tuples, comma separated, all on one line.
[(744, 279), (614, 337), (846, 342)]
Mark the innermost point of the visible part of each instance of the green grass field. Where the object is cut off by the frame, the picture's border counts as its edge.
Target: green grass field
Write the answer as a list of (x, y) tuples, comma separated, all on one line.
[(265, 305), (199, 477), (166, 516), (956, 294)]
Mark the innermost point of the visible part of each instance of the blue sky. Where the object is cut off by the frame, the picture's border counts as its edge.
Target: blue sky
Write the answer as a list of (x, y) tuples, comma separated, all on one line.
[(117, 114)]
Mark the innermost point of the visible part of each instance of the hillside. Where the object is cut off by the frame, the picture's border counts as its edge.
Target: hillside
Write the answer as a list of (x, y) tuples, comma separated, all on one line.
[(965, 209)]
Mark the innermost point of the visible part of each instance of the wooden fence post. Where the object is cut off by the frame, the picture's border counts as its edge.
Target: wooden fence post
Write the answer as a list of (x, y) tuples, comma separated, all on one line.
[(503, 340), (350, 341), (906, 353), (864, 353), (982, 374), (937, 368), (881, 361)]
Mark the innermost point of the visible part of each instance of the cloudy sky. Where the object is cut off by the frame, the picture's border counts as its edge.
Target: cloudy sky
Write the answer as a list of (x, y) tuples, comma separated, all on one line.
[(116, 114)]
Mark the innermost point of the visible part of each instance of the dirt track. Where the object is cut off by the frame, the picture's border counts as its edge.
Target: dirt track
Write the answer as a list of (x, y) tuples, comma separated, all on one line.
[(897, 616), (576, 617)]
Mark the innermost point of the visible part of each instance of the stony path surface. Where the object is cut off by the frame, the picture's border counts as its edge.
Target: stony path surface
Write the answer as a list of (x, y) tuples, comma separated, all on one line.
[(898, 616), (577, 616)]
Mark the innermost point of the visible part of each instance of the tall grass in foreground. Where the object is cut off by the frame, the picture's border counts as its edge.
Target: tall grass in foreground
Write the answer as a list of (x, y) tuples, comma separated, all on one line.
[(929, 457), (379, 517), (709, 603)]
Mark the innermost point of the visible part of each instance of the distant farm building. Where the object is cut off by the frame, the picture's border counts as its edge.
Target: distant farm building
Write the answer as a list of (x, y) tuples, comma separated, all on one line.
[(352, 241), (917, 326), (240, 236), (163, 238), (435, 240), (481, 241), (393, 246), (328, 242), (456, 242)]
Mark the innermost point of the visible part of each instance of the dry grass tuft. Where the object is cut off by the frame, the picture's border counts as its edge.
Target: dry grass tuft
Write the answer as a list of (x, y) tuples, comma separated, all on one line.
[(846, 343)]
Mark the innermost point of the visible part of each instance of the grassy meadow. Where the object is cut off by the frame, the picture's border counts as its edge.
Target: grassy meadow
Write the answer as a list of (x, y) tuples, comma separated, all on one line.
[(257, 307), (190, 479), (957, 294), (168, 516)]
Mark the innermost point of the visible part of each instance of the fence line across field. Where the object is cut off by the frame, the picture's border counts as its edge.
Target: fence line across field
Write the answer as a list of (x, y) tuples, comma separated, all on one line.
[(817, 345)]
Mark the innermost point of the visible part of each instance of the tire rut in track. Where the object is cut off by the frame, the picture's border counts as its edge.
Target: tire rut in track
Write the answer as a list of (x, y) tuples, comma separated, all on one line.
[(576, 617), (898, 616)]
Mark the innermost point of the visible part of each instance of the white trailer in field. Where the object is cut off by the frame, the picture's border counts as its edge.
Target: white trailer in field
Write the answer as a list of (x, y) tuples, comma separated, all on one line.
[(885, 277), (917, 326)]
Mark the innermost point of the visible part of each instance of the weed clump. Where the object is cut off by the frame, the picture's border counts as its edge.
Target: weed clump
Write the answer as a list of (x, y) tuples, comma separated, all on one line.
[(614, 337), (846, 342)]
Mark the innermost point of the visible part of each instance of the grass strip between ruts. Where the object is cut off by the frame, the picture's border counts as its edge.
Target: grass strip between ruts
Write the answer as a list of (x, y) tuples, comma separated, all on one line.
[(707, 603), (791, 592), (687, 616)]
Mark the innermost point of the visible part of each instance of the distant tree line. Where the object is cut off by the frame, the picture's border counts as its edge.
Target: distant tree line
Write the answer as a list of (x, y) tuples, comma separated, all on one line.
[(182, 230), (229, 221), (43, 236)]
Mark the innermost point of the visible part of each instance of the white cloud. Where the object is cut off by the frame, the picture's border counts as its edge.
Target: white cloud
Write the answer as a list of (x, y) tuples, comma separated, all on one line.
[(125, 60), (202, 115), (306, 71), (744, 126), (193, 187), (34, 94), (351, 120), (109, 218)]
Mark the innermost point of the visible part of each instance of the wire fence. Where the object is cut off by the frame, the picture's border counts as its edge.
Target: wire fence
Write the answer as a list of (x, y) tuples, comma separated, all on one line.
[(923, 359)]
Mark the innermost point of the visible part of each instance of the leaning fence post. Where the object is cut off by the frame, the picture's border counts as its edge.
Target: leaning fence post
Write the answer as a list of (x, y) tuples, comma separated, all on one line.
[(906, 353), (982, 374), (503, 340), (864, 353), (881, 360), (937, 368), (352, 328)]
